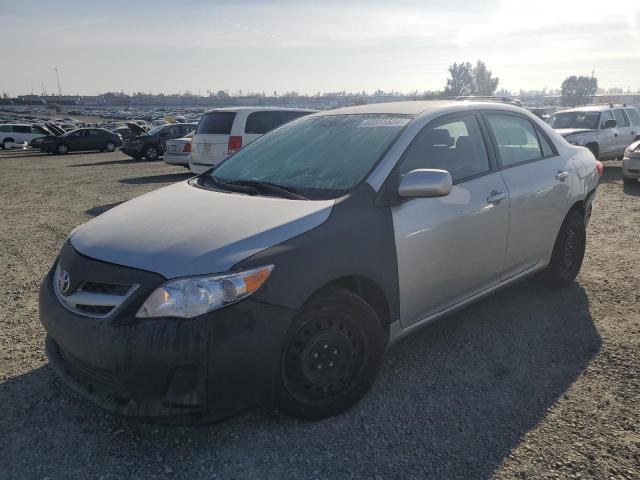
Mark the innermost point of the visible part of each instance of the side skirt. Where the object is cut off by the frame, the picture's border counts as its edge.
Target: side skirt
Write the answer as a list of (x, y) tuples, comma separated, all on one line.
[(396, 332)]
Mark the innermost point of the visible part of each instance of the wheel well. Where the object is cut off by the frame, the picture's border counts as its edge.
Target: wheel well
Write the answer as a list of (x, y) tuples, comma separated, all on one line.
[(8, 139), (369, 291), (578, 207), (595, 147)]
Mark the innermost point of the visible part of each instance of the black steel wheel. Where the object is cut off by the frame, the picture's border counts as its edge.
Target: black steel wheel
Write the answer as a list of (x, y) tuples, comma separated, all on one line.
[(332, 356), (568, 251)]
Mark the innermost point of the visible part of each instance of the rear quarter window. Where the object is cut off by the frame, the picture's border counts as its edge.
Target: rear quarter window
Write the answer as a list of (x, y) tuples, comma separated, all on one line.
[(216, 123), (634, 116)]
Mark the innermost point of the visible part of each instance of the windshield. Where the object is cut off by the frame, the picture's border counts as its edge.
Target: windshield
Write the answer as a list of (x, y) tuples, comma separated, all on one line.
[(588, 120), (318, 157)]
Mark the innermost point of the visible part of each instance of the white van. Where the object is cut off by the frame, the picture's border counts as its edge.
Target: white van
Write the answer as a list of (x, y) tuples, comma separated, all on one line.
[(224, 131), (18, 133)]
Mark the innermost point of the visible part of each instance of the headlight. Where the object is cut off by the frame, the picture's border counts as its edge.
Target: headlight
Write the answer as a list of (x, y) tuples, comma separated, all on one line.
[(190, 297)]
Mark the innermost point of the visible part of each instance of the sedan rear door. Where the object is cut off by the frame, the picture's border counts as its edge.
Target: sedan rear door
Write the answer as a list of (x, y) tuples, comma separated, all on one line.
[(539, 185)]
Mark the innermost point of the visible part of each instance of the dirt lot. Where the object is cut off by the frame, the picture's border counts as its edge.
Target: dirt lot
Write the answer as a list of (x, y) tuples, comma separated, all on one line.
[(529, 383)]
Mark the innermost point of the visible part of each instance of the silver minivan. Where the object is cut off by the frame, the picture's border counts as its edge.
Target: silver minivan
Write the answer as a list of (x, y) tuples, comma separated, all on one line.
[(305, 254)]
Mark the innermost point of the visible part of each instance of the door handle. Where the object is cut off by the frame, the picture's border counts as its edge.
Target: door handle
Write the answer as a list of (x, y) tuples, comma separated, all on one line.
[(561, 175), (496, 197)]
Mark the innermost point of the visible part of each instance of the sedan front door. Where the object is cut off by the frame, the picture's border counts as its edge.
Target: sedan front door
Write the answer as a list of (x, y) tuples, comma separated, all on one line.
[(450, 248)]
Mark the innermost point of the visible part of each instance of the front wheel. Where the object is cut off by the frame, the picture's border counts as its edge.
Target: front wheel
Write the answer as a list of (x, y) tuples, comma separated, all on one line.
[(110, 147), (629, 181), (331, 357), (568, 252), (151, 153)]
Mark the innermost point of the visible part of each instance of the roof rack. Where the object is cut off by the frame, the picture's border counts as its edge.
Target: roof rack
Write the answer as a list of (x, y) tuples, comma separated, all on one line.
[(490, 98)]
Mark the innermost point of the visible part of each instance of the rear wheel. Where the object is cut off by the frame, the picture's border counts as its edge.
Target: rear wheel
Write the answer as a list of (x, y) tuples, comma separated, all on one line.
[(62, 149), (5, 141), (568, 252), (629, 181), (332, 356), (151, 153)]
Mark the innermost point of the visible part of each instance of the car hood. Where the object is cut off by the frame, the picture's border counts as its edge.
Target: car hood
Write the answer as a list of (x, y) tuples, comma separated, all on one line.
[(183, 230), (572, 131), (140, 130)]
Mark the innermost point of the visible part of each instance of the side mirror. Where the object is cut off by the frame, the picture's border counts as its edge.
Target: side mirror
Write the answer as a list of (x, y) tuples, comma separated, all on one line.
[(609, 124), (425, 183)]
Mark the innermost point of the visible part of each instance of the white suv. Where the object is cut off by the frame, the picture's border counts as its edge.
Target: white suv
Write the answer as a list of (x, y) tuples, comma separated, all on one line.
[(18, 133), (606, 130), (224, 131)]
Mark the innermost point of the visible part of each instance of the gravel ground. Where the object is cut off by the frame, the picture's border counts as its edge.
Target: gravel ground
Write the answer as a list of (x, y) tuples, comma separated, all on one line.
[(529, 383)]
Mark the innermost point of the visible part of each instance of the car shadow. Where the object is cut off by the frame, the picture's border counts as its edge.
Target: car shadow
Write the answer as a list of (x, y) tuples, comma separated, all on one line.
[(111, 162), (613, 174), (169, 177), (452, 401), (100, 209)]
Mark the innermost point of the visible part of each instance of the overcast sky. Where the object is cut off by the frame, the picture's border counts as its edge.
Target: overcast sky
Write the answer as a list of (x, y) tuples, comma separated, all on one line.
[(310, 46)]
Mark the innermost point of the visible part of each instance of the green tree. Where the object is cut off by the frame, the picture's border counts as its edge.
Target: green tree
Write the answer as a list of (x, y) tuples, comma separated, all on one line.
[(578, 90), (466, 79)]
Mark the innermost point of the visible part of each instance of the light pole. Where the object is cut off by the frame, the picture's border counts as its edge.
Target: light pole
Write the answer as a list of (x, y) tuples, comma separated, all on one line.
[(58, 79)]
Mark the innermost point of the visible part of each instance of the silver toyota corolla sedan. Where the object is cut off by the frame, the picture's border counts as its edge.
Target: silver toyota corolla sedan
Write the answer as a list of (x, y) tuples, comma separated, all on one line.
[(285, 272)]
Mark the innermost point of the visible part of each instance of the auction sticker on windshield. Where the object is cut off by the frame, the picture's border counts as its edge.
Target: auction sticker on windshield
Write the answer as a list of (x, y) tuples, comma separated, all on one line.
[(383, 122)]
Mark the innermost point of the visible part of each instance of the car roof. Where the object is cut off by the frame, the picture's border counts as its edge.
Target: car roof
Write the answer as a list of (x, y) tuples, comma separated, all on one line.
[(418, 107), (259, 109), (593, 108)]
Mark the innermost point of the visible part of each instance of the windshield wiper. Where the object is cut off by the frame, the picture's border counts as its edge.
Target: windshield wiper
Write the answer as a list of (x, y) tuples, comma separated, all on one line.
[(281, 190), (212, 181)]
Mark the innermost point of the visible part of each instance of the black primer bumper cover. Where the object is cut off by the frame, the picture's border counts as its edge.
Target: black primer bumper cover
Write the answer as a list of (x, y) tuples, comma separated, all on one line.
[(163, 369)]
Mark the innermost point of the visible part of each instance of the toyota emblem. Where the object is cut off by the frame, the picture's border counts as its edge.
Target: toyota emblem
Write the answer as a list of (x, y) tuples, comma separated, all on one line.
[(64, 281)]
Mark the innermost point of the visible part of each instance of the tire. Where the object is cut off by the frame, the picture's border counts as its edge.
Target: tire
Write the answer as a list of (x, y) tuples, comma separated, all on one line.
[(568, 252), (110, 147), (62, 149), (6, 140), (594, 148), (331, 357), (151, 153), (629, 181)]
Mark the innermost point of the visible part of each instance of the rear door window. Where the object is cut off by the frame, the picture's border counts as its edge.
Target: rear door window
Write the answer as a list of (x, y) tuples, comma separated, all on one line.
[(621, 118), (516, 139), (634, 116), (22, 129), (216, 123)]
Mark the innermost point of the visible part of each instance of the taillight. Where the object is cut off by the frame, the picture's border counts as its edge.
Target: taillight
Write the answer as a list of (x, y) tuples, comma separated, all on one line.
[(235, 144), (600, 167), (187, 147)]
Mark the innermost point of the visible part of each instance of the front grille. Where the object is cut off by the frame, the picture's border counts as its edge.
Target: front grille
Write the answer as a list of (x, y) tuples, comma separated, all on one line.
[(106, 288), (95, 310), (93, 299), (95, 377)]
